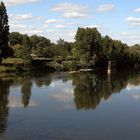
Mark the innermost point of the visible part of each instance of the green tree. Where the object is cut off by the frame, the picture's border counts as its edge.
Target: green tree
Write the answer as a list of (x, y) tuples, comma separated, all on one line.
[(26, 52), (4, 33), (87, 43), (38, 44), (18, 50), (64, 48), (15, 38)]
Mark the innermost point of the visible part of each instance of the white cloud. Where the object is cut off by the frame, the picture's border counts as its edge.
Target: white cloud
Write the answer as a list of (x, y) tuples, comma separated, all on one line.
[(92, 26), (137, 10), (70, 10), (25, 29), (99, 27), (69, 7), (60, 26), (50, 21), (18, 26), (31, 32), (105, 8), (40, 18), (72, 34), (50, 31), (22, 16), (18, 2), (74, 15), (130, 38), (133, 20), (129, 35), (70, 23)]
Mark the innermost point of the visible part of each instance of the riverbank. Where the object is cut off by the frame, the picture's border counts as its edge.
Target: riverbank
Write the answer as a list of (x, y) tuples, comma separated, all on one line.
[(16, 65)]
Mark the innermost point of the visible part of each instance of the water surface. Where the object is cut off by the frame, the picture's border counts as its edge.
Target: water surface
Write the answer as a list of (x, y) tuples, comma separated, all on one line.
[(61, 106)]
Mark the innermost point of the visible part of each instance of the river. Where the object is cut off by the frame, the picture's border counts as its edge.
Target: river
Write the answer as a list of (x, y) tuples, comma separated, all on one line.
[(63, 106)]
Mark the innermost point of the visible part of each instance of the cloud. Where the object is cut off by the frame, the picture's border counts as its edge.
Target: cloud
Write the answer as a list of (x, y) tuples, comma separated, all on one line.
[(19, 2), (133, 20), (70, 23), (31, 32), (50, 31), (105, 8), (129, 37), (70, 10), (72, 34), (60, 26), (50, 21), (74, 15), (137, 10), (18, 26), (22, 16), (100, 28), (69, 7), (25, 29), (40, 18), (92, 26)]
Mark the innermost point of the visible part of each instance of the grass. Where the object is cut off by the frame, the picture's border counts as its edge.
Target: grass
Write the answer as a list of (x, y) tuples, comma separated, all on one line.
[(9, 64), (7, 69), (12, 61)]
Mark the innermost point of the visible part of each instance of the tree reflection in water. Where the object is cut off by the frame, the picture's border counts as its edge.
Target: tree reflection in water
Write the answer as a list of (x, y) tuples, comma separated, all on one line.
[(90, 89), (5, 85), (26, 91), (4, 110)]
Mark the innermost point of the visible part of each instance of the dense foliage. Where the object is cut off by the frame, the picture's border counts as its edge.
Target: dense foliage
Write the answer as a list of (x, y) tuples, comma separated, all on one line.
[(90, 49)]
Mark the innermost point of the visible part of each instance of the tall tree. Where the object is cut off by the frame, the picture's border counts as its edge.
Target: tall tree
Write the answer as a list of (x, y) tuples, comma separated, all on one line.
[(15, 38), (26, 52), (87, 42), (4, 33)]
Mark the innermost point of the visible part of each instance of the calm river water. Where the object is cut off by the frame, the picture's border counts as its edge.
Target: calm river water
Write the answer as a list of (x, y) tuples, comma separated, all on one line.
[(62, 106)]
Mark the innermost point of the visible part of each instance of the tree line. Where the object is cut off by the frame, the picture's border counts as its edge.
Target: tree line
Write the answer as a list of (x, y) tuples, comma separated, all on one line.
[(90, 48)]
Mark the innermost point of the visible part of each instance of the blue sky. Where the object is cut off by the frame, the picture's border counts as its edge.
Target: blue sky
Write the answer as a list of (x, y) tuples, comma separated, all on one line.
[(56, 19)]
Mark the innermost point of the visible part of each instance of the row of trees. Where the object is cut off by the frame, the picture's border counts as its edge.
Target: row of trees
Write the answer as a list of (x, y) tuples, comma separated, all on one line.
[(89, 48), (92, 47), (40, 46)]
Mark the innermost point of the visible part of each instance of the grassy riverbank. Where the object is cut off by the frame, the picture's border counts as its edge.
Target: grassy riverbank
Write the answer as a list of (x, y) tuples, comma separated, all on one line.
[(10, 64), (17, 65)]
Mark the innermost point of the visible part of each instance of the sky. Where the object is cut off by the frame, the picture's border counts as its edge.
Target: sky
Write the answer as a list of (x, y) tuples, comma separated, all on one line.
[(55, 19)]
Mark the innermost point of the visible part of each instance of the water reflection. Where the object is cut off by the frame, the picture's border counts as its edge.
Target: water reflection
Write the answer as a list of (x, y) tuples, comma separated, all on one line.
[(89, 89), (26, 90), (4, 92)]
